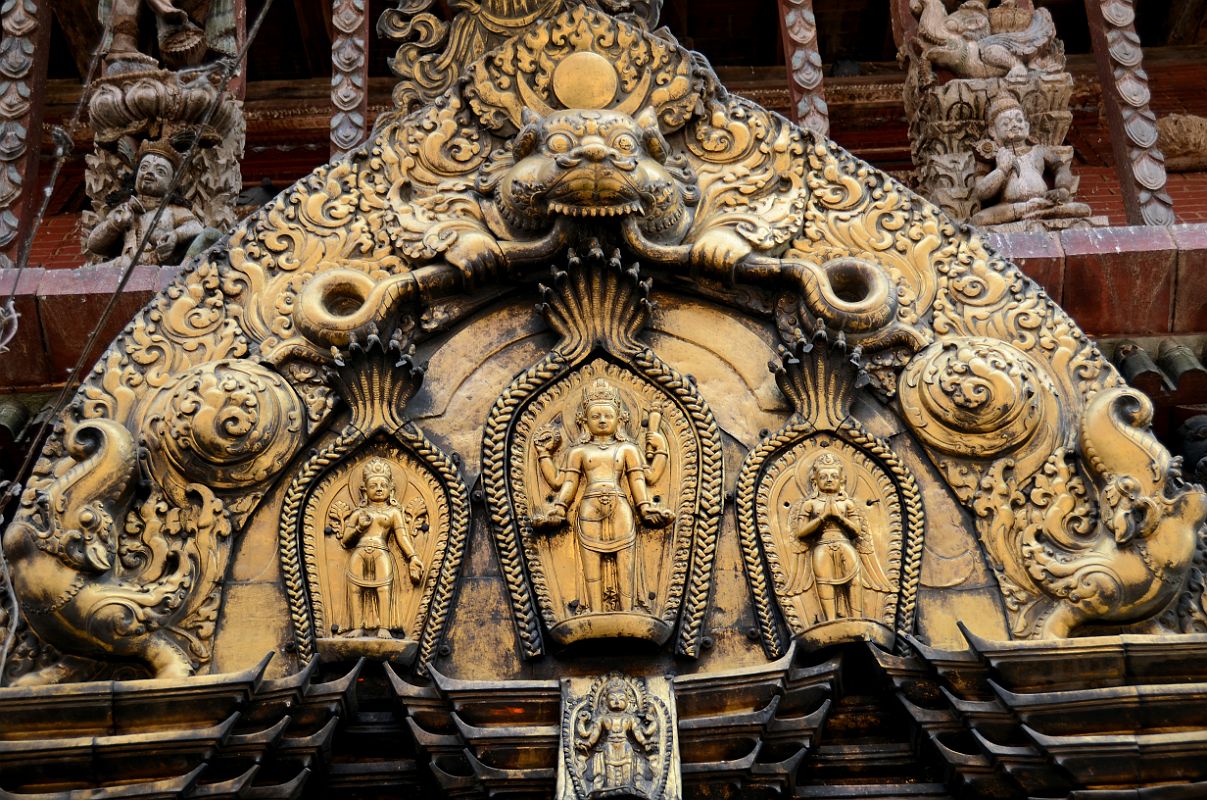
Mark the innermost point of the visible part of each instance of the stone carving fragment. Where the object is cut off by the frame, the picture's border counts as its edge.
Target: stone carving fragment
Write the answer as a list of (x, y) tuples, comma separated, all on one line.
[(1182, 139)]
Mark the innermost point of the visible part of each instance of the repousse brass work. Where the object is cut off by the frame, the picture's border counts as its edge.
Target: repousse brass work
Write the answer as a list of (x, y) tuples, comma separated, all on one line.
[(596, 251)]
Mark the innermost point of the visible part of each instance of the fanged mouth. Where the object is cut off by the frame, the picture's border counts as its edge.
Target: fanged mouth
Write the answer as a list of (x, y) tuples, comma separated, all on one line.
[(622, 210)]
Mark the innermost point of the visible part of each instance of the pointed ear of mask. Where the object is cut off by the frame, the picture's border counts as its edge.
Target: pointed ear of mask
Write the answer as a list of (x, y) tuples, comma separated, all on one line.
[(526, 140), (655, 145)]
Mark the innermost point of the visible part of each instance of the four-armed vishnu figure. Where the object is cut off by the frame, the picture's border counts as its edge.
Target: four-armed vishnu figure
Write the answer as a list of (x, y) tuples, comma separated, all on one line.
[(833, 546), (602, 488), (367, 531)]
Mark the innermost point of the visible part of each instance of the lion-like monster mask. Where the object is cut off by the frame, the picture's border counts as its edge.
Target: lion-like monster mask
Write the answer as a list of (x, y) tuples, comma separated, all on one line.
[(595, 163)]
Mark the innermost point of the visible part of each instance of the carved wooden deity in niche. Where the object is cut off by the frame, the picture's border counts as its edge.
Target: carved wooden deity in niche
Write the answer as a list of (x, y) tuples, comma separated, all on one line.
[(602, 491), (834, 547)]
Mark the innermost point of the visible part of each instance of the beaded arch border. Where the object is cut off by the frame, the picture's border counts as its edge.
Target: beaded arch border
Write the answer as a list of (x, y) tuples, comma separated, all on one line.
[(299, 563), (760, 566), (690, 582)]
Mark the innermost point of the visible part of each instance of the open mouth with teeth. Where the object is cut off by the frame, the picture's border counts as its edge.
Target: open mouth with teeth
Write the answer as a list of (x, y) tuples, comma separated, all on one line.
[(578, 210)]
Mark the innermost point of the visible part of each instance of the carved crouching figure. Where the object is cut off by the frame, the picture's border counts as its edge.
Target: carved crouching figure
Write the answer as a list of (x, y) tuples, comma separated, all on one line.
[(1152, 523), (1016, 188), (120, 233), (965, 43), (63, 546)]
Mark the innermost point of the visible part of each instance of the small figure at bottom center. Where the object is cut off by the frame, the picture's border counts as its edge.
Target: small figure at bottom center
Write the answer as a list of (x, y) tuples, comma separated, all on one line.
[(610, 741), (613, 474)]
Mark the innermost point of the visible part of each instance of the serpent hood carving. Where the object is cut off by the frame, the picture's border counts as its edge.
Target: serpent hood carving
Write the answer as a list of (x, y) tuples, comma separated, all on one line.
[(593, 164)]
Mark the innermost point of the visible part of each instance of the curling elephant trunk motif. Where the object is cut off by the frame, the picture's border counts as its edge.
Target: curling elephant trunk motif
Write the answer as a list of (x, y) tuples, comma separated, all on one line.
[(106, 565)]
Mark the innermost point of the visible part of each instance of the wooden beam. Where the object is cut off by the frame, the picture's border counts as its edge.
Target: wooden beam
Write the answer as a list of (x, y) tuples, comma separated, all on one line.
[(26, 45), (317, 30), (903, 22), (1185, 21), (77, 19), (798, 28), (238, 84), (349, 75), (1133, 125)]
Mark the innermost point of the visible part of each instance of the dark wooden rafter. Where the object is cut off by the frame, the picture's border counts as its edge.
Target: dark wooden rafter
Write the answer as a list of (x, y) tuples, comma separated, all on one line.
[(238, 84), (1186, 22), (1133, 125), (349, 75), (78, 21), (798, 27), (23, 58), (903, 22), (315, 24)]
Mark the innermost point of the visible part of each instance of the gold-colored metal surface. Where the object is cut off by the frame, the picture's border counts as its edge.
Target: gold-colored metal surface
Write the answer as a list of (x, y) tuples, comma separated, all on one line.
[(618, 739), (261, 463)]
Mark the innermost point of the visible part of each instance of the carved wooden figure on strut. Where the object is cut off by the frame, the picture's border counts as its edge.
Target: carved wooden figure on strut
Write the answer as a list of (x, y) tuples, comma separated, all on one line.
[(1016, 188), (614, 477), (835, 551), (367, 531), (119, 234), (618, 743), (185, 29)]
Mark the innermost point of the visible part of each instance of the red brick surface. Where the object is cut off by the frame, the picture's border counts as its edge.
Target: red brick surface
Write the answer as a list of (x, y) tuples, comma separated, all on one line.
[(1038, 253), (1190, 282), (57, 244), (1100, 188), (1119, 280)]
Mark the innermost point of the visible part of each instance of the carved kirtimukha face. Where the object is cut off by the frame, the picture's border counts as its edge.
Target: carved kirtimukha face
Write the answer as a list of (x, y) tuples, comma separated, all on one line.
[(591, 163), (1011, 127), (154, 175)]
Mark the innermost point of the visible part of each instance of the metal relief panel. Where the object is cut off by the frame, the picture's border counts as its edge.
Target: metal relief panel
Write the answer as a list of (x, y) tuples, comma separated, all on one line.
[(619, 738), (603, 471)]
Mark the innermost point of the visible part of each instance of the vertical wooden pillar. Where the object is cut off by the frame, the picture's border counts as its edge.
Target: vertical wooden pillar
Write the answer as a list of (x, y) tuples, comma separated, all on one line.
[(23, 54), (903, 22), (799, 29), (349, 75), (1133, 126), (238, 84)]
